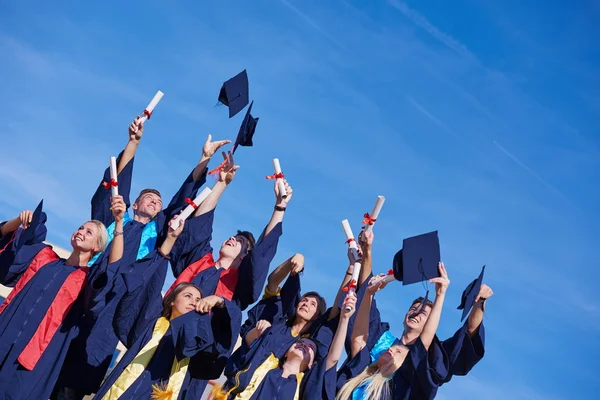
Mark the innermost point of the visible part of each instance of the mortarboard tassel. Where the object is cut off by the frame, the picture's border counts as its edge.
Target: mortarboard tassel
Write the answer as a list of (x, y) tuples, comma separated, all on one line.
[(161, 392)]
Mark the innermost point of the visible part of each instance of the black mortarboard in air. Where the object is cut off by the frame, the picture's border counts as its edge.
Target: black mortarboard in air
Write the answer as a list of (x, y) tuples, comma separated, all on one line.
[(235, 93), (418, 259), (244, 137), (470, 294), (38, 217)]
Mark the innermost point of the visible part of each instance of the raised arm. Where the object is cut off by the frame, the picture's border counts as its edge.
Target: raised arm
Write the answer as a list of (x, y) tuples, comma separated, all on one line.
[(226, 174), (101, 199), (118, 208), (433, 320), (10, 226), (337, 344), (360, 331), (294, 264), (365, 240), (208, 150), (476, 315)]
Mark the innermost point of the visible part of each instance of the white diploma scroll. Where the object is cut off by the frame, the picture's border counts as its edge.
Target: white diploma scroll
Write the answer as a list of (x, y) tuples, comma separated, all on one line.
[(354, 249), (148, 111), (113, 176), (389, 277), (279, 181), (189, 210), (375, 213)]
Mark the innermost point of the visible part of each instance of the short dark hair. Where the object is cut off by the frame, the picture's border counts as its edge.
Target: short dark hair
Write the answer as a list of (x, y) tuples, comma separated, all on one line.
[(420, 300), (250, 237), (146, 191), (170, 297)]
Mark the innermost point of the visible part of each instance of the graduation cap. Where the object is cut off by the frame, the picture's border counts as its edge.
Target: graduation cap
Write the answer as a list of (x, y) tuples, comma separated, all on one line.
[(235, 94), (28, 234), (470, 294), (244, 137), (418, 259)]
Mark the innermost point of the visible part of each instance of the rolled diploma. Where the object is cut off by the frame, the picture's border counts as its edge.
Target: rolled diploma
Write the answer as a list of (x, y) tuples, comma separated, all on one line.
[(189, 209), (113, 175), (385, 278), (375, 212), (353, 247), (280, 183), (159, 95)]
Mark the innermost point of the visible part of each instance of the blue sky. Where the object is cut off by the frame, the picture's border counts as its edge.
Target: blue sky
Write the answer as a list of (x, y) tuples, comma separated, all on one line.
[(472, 118)]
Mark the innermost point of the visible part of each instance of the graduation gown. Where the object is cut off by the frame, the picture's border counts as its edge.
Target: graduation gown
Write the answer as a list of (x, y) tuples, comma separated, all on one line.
[(255, 373), (92, 351), (242, 285), (464, 351), (199, 342), (40, 317)]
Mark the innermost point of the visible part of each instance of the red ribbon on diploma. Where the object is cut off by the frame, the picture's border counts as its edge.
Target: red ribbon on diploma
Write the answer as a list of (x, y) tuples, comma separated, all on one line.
[(108, 185), (275, 176), (391, 272), (368, 219), (350, 240), (147, 113), (218, 169), (351, 285), (191, 202)]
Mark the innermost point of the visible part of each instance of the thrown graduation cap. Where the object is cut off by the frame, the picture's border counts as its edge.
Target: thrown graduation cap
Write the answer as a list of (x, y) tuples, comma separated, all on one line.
[(235, 93), (28, 234), (244, 137), (418, 259), (470, 294)]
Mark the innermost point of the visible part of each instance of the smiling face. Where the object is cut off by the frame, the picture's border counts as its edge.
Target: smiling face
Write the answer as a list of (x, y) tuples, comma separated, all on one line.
[(234, 247), (390, 360), (304, 350), (185, 301), (307, 308), (149, 204), (415, 318), (86, 238)]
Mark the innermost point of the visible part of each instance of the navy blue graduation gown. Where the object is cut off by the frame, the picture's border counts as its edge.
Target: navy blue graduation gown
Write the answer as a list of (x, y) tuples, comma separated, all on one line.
[(20, 319), (206, 339), (252, 272), (464, 351), (244, 362), (92, 351)]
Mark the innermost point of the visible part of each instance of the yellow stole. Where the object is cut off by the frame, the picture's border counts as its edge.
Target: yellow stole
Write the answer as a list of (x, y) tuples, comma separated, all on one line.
[(271, 363), (135, 369)]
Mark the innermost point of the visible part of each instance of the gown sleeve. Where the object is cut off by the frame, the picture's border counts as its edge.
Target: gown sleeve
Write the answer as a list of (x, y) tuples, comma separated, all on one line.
[(275, 309), (319, 382), (101, 198), (138, 291), (178, 202), (193, 243), (464, 351), (254, 268), (18, 249)]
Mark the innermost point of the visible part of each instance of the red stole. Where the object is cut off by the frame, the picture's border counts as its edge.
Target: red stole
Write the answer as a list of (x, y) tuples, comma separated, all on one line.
[(227, 280), (58, 310)]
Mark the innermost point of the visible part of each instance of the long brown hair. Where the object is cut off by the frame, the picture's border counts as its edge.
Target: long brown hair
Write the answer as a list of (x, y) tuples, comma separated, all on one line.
[(172, 295)]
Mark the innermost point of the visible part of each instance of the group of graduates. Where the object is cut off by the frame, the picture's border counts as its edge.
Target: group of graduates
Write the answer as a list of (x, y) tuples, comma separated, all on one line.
[(61, 323)]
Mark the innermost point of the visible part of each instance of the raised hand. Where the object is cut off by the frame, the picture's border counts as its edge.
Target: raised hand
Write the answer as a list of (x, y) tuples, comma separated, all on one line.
[(280, 201), (376, 284), (485, 292), (349, 306), (262, 325), (118, 207), (227, 173), (365, 240), (136, 129), (441, 283), (297, 262), (210, 148), (174, 233), (25, 218)]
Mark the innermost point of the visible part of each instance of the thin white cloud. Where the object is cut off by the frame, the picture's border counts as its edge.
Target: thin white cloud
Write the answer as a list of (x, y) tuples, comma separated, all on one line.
[(313, 24)]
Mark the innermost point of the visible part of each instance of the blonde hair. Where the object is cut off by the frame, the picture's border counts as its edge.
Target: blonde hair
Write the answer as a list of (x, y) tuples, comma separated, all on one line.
[(377, 385), (102, 235)]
